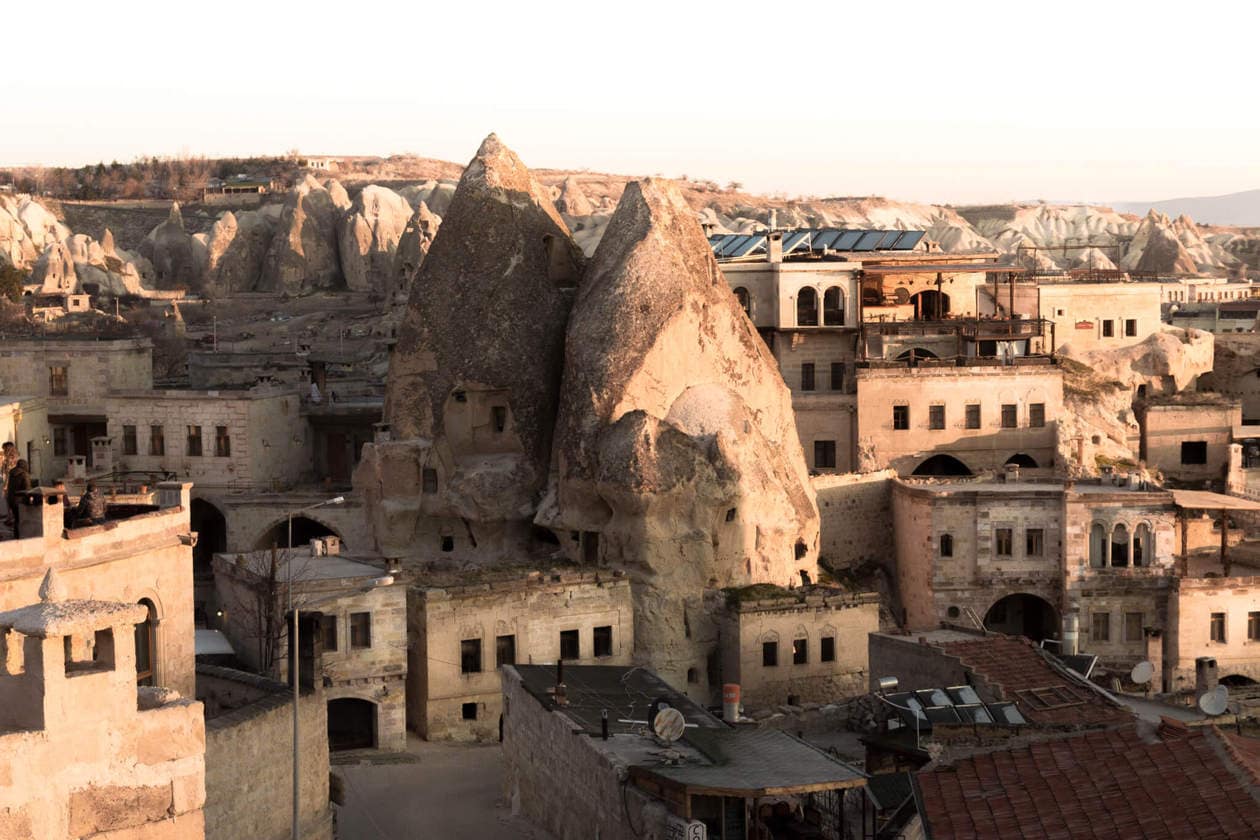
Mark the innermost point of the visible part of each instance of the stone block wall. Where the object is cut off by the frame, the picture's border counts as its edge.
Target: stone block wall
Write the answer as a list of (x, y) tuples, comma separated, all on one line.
[(856, 519), (1191, 603), (249, 758)]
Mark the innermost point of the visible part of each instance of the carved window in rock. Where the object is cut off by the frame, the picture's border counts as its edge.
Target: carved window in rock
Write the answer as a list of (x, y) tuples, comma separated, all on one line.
[(807, 308), (833, 307), (745, 300)]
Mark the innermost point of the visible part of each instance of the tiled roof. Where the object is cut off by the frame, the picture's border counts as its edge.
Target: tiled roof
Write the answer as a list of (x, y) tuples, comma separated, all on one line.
[(1044, 695), (1104, 784)]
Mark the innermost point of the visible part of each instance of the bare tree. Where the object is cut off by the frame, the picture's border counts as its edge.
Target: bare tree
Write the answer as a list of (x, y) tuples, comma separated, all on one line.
[(261, 601)]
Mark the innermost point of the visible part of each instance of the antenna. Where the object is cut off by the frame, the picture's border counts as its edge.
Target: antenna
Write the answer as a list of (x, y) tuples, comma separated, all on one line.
[(669, 724), (1215, 702), (1142, 672)]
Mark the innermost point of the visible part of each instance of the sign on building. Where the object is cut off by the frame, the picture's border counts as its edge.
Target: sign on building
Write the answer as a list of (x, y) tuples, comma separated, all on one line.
[(676, 828)]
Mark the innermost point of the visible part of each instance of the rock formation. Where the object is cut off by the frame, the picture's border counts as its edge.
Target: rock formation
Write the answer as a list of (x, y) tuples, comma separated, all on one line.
[(1157, 248), (675, 443), (416, 240), (475, 377), (368, 236), (572, 201), (303, 252), (173, 253), (54, 270), (236, 249)]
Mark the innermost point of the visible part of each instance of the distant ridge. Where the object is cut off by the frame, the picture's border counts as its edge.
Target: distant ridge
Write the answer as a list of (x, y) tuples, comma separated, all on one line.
[(1240, 208)]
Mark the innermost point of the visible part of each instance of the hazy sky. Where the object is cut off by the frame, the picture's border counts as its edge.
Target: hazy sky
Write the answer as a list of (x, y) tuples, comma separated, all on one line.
[(960, 102)]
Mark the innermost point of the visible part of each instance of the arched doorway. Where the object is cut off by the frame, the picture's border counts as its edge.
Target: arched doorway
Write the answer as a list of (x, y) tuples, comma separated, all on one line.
[(146, 646), (1023, 615), (930, 305), (304, 530), (211, 527), (1237, 681), (942, 465), (807, 308), (1019, 459), (916, 354), (351, 724)]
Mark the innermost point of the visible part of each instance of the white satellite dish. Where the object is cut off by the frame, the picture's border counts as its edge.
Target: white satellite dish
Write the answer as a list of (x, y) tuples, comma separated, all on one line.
[(1215, 702), (1142, 672), (669, 724)]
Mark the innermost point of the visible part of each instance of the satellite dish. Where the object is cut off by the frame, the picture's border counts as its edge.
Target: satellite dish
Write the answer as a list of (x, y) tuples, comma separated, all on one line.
[(669, 724), (1215, 702), (1142, 672)]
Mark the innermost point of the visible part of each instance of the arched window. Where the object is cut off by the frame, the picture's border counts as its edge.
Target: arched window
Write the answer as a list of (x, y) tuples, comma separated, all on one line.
[(833, 307), (1120, 545), (146, 646), (1097, 546), (745, 302), (947, 545), (807, 308), (1143, 546)]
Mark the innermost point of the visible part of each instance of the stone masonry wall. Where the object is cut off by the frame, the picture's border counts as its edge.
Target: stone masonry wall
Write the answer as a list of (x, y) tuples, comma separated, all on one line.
[(856, 519)]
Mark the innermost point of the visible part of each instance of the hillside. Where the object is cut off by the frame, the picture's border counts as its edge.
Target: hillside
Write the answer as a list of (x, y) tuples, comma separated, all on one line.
[(1240, 208)]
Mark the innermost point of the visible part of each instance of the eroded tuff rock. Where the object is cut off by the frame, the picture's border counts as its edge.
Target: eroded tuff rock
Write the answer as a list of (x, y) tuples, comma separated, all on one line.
[(236, 249), (573, 200), (173, 253), (475, 377), (368, 236), (54, 270), (675, 441), (303, 252), (413, 246), (1156, 247)]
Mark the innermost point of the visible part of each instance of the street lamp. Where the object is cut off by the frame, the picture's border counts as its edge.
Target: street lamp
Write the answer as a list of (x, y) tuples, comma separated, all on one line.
[(295, 654)]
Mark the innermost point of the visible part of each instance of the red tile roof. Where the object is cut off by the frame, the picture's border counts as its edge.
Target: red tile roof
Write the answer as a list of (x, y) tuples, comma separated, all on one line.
[(1015, 667), (1103, 784)]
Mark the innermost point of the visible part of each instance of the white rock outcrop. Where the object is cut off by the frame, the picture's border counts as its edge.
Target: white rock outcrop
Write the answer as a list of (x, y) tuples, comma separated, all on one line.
[(368, 236)]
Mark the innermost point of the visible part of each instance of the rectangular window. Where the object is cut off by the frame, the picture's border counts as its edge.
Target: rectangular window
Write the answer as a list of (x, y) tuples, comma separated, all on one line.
[(1133, 626), (428, 480), (60, 435), (603, 641), (1253, 626), (800, 651), (1034, 542), (59, 381), (328, 628), (1194, 452), (129, 440), (470, 656), (222, 442), (1100, 627), (1002, 542), (769, 654), (1108, 328), (825, 454), (973, 416), (360, 630), (827, 649), (157, 440), (837, 376), (1217, 627), (1130, 327), (504, 650), (947, 545), (468, 711), (498, 416), (936, 417), (901, 417), (807, 376), (1037, 415), (194, 441), (570, 647), (1010, 416)]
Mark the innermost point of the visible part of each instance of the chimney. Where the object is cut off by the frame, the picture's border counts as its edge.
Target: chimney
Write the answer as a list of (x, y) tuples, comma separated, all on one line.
[(774, 219), (774, 246), (1071, 634), (1155, 655), (42, 513), (1205, 676), (380, 433), (173, 494), (103, 454)]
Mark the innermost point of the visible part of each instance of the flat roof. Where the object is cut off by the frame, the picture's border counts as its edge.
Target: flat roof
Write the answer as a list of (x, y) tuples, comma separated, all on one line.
[(307, 567), (944, 268), (1205, 500)]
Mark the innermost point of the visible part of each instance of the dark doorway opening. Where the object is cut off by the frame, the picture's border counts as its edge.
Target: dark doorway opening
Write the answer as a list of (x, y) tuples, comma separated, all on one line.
[(211, 527), (304, 530), (942, 465), (351, 724), (1023, 615), (1019, 459)]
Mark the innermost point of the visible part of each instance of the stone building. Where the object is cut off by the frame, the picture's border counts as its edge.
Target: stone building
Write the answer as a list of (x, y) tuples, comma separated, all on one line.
[(1188, 436), (464, 628), (802, 646), (24, 423), (1099, 316), (361, 631), (83, 750)]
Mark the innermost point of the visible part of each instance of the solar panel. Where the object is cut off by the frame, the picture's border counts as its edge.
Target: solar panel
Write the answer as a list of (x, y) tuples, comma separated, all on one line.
[(1007, 713), (722, 241), (868, 240), (890, 237), (933, 697), (823, 239), (847, 239), (908, 708), (746, 248), (908, 240), (795, 239), (942, 714), (974, 713), (963, 694), (732, 245)]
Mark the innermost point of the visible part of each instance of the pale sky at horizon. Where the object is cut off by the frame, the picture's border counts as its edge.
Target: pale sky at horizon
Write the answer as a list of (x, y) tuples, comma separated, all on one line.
[(963, 102)]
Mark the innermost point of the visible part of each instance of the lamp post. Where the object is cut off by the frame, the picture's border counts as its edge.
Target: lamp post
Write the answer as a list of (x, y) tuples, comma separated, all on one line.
[(294, 652)]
